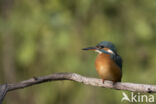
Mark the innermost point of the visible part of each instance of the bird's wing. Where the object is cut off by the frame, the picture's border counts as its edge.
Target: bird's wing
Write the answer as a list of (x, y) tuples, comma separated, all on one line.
[(117, 59)]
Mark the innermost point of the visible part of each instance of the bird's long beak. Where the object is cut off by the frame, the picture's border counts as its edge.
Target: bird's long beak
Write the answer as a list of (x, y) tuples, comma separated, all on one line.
[(90, 48)]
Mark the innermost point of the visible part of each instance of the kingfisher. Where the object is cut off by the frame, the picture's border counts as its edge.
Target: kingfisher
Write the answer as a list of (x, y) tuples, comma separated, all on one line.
[(108, 63)]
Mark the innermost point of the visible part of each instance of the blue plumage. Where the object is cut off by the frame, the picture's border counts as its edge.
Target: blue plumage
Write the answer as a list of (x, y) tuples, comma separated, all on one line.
[(108, 63), (107, 45), (117, 59)]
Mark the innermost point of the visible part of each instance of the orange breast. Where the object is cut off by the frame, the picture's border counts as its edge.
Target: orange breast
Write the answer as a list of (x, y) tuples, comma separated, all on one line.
[(107, 68)]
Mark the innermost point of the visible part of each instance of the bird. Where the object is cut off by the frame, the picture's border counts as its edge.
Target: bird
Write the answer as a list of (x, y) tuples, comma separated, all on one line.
[(108, 62)]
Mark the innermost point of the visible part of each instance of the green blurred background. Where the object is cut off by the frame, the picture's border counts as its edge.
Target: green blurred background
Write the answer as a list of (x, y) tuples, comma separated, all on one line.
[(41, 37)]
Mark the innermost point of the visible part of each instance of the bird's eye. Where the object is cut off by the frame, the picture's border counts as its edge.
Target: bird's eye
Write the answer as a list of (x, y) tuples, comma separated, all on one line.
[(100, 47)]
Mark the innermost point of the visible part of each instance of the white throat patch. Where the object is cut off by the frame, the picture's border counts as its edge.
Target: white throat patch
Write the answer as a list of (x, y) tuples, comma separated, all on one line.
[(109, 51), (98, 51)]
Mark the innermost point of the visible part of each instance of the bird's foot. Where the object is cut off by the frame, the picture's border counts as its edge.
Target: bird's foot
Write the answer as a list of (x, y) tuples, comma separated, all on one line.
[(114, 83), (103, 81)]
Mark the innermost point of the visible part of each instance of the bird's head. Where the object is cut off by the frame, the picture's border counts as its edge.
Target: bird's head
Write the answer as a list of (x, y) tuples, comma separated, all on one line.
[(103, 47)]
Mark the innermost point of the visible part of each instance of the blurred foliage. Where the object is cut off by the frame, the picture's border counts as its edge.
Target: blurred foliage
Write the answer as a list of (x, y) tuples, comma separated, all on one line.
[(41, 37)]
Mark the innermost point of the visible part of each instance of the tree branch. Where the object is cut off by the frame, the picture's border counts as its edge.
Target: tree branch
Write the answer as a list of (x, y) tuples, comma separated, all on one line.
[(3, 91), (77, 78)]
